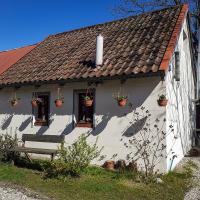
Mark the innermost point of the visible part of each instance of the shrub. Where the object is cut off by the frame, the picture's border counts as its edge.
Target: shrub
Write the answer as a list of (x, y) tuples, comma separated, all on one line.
[(8, 142), (56, 169), (79, 155)]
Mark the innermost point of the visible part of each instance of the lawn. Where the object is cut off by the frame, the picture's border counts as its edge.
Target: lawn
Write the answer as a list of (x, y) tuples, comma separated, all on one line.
[(96, 184)]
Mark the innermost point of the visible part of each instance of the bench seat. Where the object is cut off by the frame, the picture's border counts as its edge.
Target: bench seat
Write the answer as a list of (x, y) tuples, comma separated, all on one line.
[(39, 138), (35, 150)]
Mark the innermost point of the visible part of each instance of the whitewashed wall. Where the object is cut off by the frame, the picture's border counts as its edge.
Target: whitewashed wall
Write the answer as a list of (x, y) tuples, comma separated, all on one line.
[(111, 122), (180, 109)]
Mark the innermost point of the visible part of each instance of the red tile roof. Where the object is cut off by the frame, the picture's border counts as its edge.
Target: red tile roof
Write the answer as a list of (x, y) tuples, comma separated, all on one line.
[(8, 58), (175, 35), (132, 45)]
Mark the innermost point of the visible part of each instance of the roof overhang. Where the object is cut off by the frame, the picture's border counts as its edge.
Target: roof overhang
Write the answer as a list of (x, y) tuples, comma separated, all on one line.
[(174, 38), (160, 74)]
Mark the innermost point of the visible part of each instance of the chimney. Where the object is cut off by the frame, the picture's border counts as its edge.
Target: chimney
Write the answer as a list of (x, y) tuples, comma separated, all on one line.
[(99, 50)]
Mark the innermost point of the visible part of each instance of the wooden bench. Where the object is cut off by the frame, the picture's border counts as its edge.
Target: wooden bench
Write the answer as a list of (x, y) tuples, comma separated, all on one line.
[(39, 138)]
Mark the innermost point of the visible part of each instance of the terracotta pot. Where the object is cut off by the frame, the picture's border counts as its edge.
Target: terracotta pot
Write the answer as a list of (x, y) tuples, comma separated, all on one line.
[(122, 102), (88, 103), (58, 102), (162, 102), (109, 164), (34, 103), (14, 103)]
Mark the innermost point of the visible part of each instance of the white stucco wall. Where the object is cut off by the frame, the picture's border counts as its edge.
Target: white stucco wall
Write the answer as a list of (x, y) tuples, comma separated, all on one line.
[(180, 109), (110, 119)]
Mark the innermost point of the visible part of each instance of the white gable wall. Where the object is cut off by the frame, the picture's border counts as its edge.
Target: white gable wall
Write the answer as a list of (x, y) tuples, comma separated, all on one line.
[(180, 109)]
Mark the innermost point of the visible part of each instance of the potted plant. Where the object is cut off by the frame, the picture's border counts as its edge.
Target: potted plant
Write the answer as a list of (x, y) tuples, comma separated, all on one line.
[(109, 164), (59, 102), (60, 99), (35, 101), (162, 101), (88, 101), (14, 101), (122, 100)]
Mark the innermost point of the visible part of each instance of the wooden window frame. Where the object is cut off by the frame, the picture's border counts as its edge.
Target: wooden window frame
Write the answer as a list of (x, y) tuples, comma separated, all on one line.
[(41, 122), (84, 125)]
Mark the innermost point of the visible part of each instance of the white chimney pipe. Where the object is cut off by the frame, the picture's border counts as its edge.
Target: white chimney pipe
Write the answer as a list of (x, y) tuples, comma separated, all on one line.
[(99, 50)]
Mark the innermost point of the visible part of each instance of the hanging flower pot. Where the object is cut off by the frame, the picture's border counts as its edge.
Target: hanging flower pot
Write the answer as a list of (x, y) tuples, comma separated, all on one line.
[(88, 101), (162, 101), (59, 102), (122, 100), (60, 99), (34, 102), (14, 102)]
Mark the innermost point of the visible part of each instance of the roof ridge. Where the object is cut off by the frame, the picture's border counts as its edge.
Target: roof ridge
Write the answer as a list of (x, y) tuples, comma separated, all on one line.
[(113, 21), (18, 48)]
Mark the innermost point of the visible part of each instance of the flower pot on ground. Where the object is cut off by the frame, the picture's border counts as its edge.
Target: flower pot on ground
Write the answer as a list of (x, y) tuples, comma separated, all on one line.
[(59, 102), (162, 101), (88, 101), (121, 100), (109, 164)]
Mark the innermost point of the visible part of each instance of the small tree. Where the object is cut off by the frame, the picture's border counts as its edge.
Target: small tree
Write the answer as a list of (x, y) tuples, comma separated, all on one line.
[(147, 143), (8, 142)]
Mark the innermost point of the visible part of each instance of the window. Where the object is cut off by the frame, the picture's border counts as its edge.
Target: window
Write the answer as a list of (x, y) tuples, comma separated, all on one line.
[(184, 35), (41, 112), (83, 112), (177, 66)]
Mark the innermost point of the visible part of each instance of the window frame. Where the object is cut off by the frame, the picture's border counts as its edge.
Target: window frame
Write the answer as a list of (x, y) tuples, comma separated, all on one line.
[(84, 125), (38, 122)]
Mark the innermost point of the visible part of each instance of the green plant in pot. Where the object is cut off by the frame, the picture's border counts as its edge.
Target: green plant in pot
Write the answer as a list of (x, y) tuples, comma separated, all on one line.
[(59, 102), (35, 101), (162, 100), (121, 100), (14, 100), (88, 101), (60, 99)]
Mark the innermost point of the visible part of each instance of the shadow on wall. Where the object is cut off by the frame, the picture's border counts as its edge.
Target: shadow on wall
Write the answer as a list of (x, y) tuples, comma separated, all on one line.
[(101, 125), (43, 129), (134, 128), (6, 122), (25, 124), (68, 129)]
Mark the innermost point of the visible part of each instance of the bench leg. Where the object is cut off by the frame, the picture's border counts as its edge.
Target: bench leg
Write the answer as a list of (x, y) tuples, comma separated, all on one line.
[(28, 157), (52, 156)]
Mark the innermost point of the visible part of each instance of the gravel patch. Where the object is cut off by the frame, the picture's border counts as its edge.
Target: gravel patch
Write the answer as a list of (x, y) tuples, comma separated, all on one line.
[(194, 192), (13, 192)]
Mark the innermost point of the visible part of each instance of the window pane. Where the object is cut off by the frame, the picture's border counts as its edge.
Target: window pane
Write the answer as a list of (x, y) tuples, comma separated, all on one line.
[(85, 113), (42, 109)]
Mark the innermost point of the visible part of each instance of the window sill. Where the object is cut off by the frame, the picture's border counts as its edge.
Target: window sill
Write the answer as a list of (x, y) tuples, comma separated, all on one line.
[(84, 125), (41, 123)]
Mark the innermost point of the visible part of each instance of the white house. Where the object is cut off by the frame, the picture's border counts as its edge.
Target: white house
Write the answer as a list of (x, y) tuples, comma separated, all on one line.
[(141, 57)]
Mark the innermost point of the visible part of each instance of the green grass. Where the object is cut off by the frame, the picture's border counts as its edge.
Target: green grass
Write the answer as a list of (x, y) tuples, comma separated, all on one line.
[(97, 184)]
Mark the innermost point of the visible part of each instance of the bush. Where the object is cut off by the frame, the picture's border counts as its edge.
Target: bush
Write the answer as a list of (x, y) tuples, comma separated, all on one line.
[(8, 142), (74, 159), (56, 169)]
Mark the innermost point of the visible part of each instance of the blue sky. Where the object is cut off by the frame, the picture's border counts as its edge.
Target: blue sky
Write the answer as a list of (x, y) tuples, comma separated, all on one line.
[(25, 22)]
